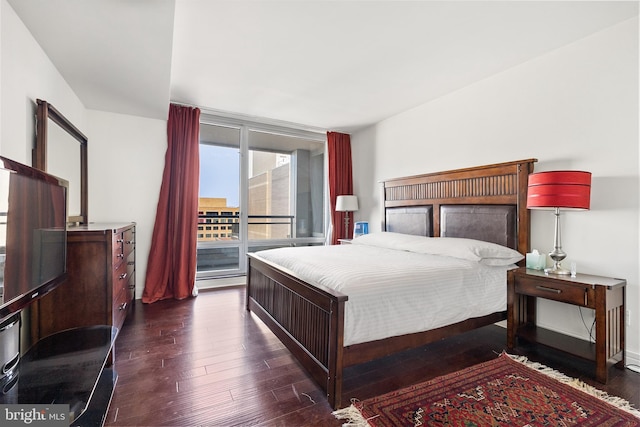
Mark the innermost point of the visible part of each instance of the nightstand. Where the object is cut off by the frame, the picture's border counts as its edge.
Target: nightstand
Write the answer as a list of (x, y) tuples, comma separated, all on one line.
[(605, 295)]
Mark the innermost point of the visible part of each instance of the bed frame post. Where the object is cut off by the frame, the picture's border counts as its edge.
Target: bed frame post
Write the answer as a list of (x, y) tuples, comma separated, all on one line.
[(524, 216), (336, 351)]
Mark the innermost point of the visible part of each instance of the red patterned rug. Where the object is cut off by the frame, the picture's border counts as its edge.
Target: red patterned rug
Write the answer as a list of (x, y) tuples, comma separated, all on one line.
[(507, 391)]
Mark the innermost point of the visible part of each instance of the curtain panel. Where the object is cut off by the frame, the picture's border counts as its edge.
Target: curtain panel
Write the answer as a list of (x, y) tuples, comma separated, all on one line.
[(171, 268), (340, 179)]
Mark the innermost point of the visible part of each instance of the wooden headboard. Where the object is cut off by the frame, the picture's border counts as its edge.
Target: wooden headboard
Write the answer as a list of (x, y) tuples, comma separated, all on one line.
[(485, 202)]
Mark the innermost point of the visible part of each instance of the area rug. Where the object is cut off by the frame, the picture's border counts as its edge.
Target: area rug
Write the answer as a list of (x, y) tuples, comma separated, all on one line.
[(506, 391)]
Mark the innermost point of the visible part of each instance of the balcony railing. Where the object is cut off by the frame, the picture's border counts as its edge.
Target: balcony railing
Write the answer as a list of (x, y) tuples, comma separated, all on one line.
[(222, 255), (227, 227), (270, 226)]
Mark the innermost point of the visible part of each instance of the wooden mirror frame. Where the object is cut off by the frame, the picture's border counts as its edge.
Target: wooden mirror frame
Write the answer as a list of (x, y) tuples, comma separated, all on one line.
[(46, 112)]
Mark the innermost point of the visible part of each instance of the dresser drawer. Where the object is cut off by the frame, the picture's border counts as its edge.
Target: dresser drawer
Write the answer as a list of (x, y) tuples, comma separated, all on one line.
[(577, 295), (129, 242), (130, 288), (120, 308), (131, 258), (118, 243), (119, 248), (121, 277), (130, 268), (129, 280)]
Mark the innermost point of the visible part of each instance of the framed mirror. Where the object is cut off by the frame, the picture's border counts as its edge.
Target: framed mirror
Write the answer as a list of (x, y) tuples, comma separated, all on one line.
[(61, 150)]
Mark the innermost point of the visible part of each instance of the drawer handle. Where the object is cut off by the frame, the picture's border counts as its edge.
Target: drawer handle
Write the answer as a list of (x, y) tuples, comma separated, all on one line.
[(129, 242), (122, 306), (123, 276), (119, 240), (544, 288), (120, 255), (132, 286), (8, 367)]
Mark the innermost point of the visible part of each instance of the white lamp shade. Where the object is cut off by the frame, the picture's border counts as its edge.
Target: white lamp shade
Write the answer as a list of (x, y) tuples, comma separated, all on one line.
[(346, 203)]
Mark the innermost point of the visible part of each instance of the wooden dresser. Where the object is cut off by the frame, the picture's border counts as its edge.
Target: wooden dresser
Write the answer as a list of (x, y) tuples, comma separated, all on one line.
[(100, 288)]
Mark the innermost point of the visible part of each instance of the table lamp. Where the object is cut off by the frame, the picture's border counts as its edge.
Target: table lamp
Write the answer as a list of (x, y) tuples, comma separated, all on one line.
[(556, 190), (346, 204)]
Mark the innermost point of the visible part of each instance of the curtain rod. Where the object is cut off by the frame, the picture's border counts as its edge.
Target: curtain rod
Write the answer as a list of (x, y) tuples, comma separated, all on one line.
[(246, 118)]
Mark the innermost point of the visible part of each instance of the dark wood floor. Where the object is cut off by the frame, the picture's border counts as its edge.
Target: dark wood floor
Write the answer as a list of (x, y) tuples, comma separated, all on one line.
[(205, 361)]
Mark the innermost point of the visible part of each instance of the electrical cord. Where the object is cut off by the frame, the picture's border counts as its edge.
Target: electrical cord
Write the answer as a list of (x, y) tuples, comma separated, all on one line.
[(633, 368), (589, 329)]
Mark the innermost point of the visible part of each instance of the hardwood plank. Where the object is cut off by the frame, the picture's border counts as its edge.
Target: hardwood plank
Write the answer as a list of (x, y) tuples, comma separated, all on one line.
[(206, 361)]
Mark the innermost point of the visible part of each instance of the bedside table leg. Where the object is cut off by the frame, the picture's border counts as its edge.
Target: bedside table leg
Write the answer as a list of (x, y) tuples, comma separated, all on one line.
[(601, 335), (621, 294), (512, 312)]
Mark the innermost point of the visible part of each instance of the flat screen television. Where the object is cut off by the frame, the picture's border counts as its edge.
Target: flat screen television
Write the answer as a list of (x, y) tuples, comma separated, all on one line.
[(33, 235)]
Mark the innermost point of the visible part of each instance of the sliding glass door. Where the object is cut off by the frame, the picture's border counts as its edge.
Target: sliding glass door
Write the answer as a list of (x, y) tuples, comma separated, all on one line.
[(260, 187), (220, 245)]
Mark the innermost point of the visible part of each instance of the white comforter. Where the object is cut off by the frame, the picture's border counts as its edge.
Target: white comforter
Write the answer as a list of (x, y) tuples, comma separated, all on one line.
[(395, 292)]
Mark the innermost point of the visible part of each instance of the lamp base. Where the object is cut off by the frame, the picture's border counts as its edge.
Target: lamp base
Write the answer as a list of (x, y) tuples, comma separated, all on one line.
[(557, 269), (346, 225)]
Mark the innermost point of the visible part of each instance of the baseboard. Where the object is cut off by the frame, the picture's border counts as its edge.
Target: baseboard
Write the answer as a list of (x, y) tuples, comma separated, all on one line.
[(632, 361), (222, 282)]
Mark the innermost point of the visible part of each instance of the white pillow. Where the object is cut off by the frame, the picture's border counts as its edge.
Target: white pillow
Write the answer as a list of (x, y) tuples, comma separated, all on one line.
[(470, 249), (387, 239)]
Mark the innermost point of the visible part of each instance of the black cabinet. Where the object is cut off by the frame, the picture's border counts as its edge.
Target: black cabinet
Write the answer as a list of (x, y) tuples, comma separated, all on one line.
[(69, 368)]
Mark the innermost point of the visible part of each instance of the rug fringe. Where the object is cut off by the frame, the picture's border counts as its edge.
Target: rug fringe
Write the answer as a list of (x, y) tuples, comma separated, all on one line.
[(352, 415), (578, 384)]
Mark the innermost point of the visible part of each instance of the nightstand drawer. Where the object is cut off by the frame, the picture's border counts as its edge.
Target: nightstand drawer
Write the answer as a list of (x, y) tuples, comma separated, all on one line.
[(576, 295)]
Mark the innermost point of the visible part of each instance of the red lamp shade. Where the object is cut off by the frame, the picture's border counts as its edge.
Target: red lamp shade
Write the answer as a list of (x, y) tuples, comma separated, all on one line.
[(559, 189)]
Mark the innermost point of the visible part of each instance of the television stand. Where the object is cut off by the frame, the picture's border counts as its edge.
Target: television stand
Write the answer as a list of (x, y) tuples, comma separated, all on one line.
[(68, 367)]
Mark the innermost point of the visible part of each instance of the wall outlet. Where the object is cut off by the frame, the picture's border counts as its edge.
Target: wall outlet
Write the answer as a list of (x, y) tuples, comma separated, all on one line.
[(627, 316)]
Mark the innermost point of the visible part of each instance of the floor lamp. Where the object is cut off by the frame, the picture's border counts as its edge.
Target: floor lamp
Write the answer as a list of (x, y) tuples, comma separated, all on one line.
[(346, 204), (555, 190)]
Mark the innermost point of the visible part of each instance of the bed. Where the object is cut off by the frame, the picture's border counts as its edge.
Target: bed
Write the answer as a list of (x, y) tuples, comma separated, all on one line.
[(484, 203)]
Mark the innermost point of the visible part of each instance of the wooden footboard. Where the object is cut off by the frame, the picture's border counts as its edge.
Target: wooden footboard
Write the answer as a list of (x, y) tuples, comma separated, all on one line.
[(309, 320)]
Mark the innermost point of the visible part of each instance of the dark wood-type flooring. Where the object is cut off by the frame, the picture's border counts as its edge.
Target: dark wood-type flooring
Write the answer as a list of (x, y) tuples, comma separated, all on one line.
[(205, 361)]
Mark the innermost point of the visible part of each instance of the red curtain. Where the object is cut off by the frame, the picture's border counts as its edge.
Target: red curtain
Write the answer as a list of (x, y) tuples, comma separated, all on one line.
[(340, 178), (171, 269)]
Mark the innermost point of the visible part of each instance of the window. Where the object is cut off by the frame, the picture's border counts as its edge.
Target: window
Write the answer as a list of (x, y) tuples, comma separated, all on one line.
[(264, 186), (286, 187)]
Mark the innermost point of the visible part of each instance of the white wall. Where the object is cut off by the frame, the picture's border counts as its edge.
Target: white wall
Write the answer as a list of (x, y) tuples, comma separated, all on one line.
[(26, 75), (126, 161), (126, 153), (574, 108)]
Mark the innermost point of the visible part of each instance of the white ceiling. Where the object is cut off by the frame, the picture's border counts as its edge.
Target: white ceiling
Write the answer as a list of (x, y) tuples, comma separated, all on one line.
[(336, 65)]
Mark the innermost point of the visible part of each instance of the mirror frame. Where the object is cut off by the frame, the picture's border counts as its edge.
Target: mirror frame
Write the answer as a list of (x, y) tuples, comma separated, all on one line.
[(46, 112)]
